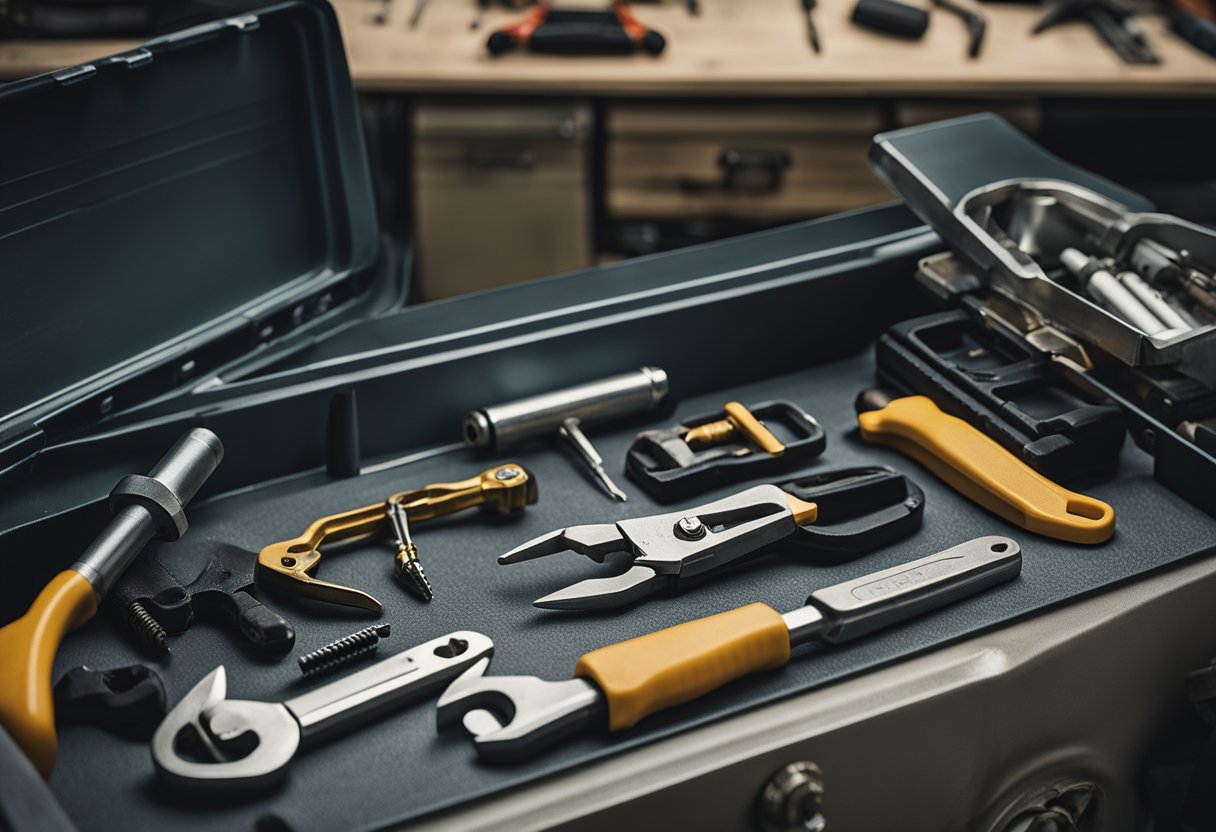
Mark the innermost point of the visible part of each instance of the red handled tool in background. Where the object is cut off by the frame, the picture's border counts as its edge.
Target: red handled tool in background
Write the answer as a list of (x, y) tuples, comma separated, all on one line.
[(547, 30)]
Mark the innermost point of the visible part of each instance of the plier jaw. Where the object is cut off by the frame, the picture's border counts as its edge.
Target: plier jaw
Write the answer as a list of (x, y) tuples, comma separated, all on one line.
[(666, 547), (862, 509)]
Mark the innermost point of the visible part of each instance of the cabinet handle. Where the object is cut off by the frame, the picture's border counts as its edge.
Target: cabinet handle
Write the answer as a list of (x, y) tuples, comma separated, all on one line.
[(744, 170), (487, 160)]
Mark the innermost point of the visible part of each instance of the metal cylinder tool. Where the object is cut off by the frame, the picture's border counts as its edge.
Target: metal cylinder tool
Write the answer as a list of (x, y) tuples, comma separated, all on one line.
[(144, 507), (566, 412)]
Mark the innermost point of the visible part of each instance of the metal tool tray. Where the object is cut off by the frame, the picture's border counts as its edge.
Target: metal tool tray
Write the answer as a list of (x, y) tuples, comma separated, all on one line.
[(994, 196), (804, 304)]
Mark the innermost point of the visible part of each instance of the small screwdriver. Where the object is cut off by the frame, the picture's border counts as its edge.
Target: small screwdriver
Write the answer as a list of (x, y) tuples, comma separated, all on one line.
[(407, 566), (572, 433), (812, 33)]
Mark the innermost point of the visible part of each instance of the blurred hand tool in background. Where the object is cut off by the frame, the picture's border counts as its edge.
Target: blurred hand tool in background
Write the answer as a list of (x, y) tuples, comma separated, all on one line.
[(547, 30), (143, 507), (1114, 22), (812, 33), (837, 515), (512, 718), (291, 565), (565, 412), (976, 24)]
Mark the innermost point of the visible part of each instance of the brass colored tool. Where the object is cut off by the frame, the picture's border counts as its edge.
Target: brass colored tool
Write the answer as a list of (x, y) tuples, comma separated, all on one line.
[(291, 565), (738, 420)]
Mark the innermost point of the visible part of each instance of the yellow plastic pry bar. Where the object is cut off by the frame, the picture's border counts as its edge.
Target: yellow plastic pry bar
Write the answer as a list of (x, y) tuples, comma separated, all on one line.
[(653, 672), (979, 468), (27, 653)]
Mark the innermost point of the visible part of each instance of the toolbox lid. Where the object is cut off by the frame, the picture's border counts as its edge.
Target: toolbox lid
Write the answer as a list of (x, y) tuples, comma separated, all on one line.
[(171, 208)]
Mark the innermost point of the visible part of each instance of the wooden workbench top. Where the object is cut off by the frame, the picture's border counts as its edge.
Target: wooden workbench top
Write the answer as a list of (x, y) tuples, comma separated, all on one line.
[(734, 47)]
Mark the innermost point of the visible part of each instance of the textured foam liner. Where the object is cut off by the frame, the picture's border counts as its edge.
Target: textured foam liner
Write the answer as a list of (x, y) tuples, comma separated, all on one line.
[(400, 767)]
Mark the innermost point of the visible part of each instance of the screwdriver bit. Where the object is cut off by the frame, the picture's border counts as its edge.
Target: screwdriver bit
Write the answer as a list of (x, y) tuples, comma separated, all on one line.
[(407, 566)]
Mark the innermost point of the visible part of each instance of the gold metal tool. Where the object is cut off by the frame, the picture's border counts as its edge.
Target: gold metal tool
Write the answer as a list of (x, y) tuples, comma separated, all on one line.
[(738, 420), (291, 565)]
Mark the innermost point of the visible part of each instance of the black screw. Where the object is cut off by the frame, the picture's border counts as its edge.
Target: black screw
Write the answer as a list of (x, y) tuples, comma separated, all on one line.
[(344, 650), (151, 634)]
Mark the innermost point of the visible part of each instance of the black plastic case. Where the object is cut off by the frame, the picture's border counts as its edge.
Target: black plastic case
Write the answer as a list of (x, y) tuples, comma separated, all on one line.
[(172, 209)]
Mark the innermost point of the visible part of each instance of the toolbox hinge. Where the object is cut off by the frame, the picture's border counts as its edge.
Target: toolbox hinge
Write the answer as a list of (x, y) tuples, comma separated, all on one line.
[(74, 74)]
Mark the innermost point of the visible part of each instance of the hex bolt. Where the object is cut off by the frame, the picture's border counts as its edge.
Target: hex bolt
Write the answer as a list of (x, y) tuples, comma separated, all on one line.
[(792, 799), (690, 528)]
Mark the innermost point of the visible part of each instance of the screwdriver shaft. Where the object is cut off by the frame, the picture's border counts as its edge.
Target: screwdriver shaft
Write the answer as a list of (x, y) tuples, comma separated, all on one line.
[(573, 436)]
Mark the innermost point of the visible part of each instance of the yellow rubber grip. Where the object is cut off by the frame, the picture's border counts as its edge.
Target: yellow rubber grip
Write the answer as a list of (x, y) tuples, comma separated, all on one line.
[(982, 470), (647, 674), (27, 652)]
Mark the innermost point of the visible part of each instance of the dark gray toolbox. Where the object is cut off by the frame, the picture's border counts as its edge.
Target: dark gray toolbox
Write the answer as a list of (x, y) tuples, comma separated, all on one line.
[(189, 240)]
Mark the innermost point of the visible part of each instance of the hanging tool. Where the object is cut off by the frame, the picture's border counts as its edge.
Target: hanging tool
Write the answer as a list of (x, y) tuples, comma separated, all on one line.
[(499, 427), (839, 515), (547, 30), (416, 14), (734, 444), (976, 24), (246, 745), (812, 33), (514, 717), (1114, 22), (143, 508), (980, 469), (406, 566), (129, 701), (291, 565), (155, 604), (345, 650)]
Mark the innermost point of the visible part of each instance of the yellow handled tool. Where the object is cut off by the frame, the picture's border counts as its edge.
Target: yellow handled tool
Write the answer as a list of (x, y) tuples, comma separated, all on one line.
[(291, 565), (143, 508), (514, 717), (981, 469)]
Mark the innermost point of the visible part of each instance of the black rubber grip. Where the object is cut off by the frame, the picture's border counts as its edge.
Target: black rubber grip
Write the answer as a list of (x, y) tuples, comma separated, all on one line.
[(891, 18)]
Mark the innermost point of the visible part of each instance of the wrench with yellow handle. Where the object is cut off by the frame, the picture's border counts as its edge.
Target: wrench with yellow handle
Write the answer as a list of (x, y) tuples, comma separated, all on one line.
[(143, 508), (514, 717), (981, 469)]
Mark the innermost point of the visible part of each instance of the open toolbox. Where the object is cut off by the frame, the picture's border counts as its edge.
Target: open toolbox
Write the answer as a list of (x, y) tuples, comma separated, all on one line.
[(269, 291)]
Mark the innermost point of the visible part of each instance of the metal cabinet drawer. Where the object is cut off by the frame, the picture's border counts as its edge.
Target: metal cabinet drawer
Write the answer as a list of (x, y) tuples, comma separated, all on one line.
[(755, 162), (500, 193)]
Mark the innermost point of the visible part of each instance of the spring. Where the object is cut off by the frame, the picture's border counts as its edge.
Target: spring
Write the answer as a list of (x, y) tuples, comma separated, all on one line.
[(151, 635), (344, 650)]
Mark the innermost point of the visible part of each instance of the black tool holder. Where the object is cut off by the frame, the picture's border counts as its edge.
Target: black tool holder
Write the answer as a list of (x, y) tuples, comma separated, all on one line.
[(1005, 388), (861, 510), (668, 470)]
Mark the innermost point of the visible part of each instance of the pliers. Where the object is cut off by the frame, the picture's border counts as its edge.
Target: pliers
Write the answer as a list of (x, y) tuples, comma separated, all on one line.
[(839, 514), (512, 718)]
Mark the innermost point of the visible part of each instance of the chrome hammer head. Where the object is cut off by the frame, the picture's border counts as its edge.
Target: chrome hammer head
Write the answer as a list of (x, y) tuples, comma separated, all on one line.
[(514, 717)]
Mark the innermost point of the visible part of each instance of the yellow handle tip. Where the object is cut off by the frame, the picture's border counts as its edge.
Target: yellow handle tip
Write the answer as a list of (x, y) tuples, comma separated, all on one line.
[(27, 654)]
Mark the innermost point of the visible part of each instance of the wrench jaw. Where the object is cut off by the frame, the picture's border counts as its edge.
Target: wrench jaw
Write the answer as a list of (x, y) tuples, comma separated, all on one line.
[(513, 718), (289, 567), (231, 745), (629, 587)]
